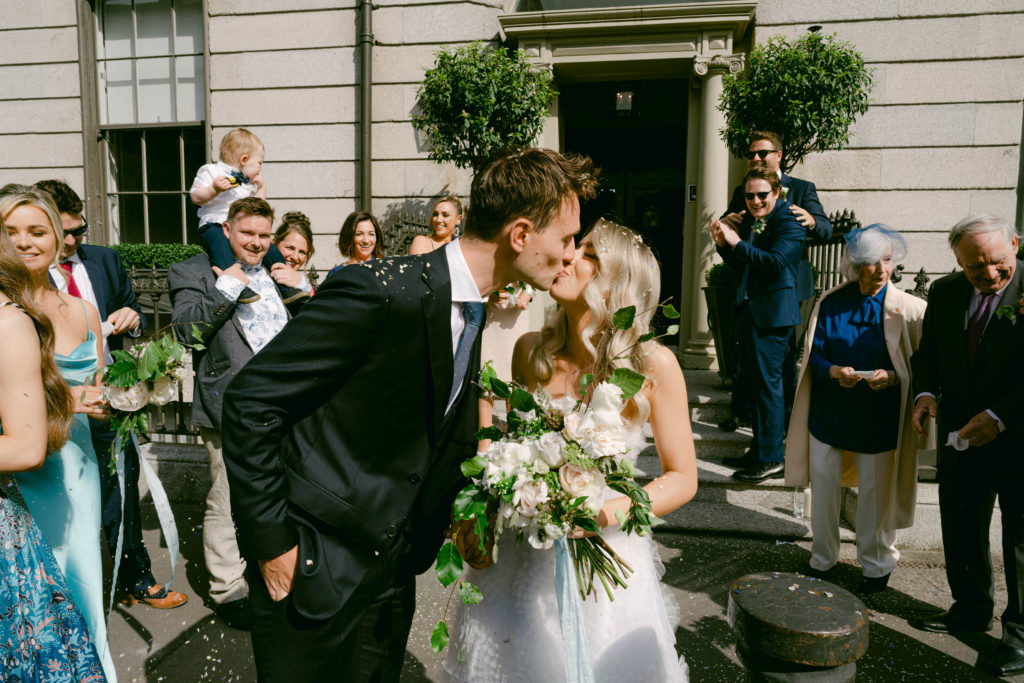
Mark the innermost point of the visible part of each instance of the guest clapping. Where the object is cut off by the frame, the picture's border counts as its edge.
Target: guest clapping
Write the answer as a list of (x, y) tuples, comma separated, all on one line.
[(360, 238), (765, 250), (853, 407), (444, 219)]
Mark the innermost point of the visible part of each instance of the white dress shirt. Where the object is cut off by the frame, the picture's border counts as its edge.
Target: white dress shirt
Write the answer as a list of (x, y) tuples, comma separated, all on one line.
[(463, 289)]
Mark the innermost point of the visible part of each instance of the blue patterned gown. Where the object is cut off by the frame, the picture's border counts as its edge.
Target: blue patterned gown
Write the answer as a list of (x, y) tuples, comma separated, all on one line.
[(64, 499)]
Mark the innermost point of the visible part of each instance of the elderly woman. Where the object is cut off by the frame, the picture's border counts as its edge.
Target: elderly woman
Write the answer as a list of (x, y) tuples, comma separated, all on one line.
[(851, 417)]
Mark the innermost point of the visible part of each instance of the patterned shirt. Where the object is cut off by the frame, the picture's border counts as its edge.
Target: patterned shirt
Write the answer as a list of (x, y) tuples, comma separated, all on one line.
[(263, 319)]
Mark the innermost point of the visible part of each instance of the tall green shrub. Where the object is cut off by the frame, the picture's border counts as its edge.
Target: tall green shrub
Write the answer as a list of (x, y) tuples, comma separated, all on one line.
[(477, 100), (809, 91)]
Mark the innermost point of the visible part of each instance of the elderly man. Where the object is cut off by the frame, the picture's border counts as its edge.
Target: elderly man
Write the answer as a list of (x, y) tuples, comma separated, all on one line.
[(765, 151), (968, 374)]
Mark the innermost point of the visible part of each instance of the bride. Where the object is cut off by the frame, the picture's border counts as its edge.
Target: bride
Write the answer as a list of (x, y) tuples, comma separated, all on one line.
[(514, 634)]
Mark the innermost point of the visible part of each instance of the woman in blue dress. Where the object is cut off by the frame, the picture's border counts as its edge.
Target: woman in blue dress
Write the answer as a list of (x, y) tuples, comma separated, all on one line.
[(43, 636), (63, 496)]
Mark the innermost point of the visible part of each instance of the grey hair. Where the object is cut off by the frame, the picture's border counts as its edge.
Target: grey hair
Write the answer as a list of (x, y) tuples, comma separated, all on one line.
[(868, 245), (981, 223)]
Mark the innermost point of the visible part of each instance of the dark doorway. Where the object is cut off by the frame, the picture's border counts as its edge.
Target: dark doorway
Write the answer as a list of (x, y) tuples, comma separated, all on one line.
[(642, 154)]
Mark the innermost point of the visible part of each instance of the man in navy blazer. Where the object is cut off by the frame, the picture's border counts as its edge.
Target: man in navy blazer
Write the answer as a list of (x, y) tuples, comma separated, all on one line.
[(97, 275), (765, 151), (766, 254)]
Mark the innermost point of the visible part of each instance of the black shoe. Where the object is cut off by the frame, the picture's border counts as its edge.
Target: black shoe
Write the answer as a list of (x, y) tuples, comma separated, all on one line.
[(729, 424), (248, 296), (1006, 660), (738, 462), (760, 472), (235, 614), (949, 622), (808, 570), (876, 584), (292, 294)]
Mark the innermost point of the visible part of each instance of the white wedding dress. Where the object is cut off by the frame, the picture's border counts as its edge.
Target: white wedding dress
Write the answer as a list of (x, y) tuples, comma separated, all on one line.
[(514, 634)]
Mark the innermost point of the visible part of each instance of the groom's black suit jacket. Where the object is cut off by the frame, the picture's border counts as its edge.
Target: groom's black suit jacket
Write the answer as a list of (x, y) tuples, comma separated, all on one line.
[(336, 437)]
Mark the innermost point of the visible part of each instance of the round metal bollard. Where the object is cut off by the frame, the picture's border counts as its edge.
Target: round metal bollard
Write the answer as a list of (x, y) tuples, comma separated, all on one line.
[(791, 627)]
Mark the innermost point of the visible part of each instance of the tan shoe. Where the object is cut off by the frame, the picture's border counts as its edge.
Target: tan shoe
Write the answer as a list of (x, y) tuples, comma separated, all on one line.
[(157, 597)]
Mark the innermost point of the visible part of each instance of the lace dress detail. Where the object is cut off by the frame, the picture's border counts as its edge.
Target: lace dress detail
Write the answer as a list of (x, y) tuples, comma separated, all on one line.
[(514, 634)]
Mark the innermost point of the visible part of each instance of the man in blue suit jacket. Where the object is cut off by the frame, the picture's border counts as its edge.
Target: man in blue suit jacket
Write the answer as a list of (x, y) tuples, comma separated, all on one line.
[(98, 276), (765, 151), (766, 254)]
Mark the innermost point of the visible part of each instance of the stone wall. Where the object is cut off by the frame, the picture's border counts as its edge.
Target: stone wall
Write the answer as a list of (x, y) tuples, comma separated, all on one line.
[(297, 87), (40, 106), (942, 137)]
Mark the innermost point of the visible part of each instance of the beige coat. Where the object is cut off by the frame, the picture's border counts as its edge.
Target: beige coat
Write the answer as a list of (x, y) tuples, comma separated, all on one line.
[(902, 316)]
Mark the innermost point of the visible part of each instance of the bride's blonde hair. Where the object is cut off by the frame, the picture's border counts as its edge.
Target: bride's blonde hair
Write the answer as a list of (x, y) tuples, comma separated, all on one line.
[(627, 274)]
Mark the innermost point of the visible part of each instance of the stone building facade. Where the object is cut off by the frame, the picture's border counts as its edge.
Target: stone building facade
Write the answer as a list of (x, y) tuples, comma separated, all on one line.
[(125, 98)]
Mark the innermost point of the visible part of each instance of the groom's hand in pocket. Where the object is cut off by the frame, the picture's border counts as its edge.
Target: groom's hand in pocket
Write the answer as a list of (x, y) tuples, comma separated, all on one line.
[(279, 572)]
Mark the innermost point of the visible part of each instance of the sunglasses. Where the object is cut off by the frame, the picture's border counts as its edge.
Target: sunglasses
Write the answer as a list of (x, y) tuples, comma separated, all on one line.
[(759, 153), (79, 231), (760, 195)]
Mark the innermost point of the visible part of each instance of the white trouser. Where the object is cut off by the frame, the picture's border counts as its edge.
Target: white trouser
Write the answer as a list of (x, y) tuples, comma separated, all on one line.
[(876, 547)]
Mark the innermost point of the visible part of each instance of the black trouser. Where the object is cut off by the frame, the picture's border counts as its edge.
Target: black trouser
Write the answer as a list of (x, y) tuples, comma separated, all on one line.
[(135, 574), (969, 482), (367, 646)]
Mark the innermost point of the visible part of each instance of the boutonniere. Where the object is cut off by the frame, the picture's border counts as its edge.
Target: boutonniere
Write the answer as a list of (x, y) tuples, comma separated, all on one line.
[(1010, 312), (759, 226), (783, 192)]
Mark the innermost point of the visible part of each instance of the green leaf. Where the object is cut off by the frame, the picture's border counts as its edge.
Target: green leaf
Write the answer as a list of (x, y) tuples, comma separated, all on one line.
[(197, 336), (469, 593), (475, 465), (123, 373), (487, 374), (522, 400), (481, 532), (149, 362), (492, 433), (647, 337), (623, 318), (470, 502), (672, 329), (585, 382), (628, 380), (449, 564), (439, 637), (670, 312), (500, 389), (587, 524)]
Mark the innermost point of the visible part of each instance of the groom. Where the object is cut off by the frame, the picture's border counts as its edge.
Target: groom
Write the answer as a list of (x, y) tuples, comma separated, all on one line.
[(343, 436)]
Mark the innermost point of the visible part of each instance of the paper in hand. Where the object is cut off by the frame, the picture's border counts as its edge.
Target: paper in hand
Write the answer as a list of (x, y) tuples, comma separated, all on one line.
[(106, 329)]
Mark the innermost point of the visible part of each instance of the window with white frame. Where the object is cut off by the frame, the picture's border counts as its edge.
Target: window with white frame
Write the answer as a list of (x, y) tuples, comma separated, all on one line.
[(152, 99)]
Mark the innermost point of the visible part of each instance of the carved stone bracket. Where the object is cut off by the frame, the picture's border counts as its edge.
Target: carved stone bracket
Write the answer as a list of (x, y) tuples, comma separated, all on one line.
[(717, 65)]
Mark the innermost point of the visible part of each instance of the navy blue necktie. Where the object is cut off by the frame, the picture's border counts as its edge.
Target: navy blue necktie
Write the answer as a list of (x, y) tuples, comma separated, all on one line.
[(239, 177), (473, 312)]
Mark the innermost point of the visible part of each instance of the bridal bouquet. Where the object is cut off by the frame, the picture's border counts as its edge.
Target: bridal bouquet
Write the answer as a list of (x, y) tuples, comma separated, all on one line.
[(550, 473), (145, 375)]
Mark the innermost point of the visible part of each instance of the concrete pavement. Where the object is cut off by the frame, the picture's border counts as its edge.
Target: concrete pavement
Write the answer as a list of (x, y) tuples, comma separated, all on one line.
[(190, 644)]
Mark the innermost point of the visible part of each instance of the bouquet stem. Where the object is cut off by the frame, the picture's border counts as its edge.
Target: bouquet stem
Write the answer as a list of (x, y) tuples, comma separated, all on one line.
[(593, 556)]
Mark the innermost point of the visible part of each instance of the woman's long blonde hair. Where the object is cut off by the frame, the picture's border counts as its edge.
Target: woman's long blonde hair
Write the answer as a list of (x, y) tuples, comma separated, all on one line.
[(16, 285), (627, 274)]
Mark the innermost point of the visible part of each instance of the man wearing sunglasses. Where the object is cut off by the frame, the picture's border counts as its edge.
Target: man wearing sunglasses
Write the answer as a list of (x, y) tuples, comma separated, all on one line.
[(97, 275), (765, 151)]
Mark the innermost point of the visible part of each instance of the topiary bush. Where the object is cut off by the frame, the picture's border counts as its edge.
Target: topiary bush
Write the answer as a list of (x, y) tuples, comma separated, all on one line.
[(478, 100), (159, 255)]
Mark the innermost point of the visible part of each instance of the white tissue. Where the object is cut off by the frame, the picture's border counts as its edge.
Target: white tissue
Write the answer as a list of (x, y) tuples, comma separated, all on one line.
[(106, 329), (956, 441)]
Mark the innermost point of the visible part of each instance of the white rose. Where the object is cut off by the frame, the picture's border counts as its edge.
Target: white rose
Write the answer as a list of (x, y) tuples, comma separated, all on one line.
[(529, 496), (578, 481), (549, 446), (606, 441), (128, 399), (164, 391), (606, 397), (574, 426), (182, 373)]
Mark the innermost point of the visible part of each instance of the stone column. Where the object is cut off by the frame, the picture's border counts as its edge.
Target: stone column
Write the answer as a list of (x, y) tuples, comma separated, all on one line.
[(713, 197)]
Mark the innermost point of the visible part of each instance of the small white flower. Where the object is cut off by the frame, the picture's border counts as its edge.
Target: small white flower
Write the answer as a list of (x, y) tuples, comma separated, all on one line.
[(550, 447), (530, 496), (181, 373), (164, 391)]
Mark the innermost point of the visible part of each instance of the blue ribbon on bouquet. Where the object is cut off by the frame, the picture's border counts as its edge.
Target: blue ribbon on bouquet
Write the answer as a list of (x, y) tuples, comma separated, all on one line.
[(570, 617), (160, 502)]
